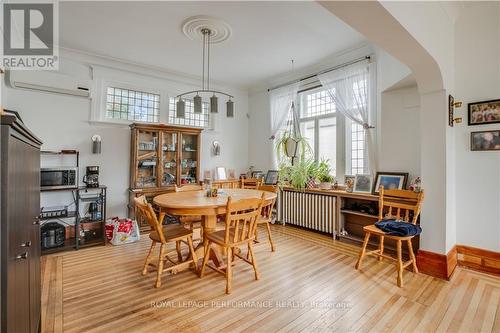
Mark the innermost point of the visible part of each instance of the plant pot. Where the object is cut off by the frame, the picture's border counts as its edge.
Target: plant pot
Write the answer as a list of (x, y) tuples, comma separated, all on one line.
[(325, 186), (291, 146)]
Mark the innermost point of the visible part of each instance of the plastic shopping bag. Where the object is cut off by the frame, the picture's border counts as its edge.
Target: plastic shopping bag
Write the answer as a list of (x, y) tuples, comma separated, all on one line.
[(122, 231)]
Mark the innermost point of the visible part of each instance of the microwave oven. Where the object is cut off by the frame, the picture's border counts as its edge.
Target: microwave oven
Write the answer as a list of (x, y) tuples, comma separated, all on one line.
[(58, 178)]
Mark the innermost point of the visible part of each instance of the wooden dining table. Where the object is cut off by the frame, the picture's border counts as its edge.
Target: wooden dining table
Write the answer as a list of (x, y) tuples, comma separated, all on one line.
[(196, 203)]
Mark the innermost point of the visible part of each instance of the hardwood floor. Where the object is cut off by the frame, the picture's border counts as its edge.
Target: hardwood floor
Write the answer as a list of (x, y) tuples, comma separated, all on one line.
[(308, 285)]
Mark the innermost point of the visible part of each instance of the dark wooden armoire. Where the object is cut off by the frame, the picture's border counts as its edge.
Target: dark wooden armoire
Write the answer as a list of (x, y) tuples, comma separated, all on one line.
[(19, 228)]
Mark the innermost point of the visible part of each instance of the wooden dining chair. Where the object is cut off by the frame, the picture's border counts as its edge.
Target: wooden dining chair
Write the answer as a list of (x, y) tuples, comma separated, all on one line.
[(401, 205), (241, 221), (164, 235), (266, 216), (251, 183), (192, 222)]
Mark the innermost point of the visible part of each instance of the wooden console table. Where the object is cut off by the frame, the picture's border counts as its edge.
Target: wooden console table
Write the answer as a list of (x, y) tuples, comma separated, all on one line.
[(336, 212)]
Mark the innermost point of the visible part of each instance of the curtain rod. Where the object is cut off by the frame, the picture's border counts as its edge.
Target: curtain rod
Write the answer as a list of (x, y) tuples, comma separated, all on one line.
[(368, 57)]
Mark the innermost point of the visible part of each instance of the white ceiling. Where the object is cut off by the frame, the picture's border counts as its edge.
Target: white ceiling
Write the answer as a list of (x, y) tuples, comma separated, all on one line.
[(265, 35)]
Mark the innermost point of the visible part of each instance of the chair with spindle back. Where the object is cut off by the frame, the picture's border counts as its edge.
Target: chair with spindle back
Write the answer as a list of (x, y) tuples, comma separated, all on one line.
[(393, 204), (266, 216), (251, 183), (241, 221), (164, 235)]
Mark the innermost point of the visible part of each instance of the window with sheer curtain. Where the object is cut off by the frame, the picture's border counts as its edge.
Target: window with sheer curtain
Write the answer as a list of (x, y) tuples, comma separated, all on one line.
[(331, 136)]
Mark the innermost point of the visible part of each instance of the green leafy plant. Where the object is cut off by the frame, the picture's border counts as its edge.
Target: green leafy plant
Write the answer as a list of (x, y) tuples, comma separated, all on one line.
[(324, 172), (298, 174)]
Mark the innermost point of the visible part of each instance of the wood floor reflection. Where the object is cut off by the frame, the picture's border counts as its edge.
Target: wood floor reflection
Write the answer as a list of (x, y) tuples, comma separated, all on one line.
[(308, 285)]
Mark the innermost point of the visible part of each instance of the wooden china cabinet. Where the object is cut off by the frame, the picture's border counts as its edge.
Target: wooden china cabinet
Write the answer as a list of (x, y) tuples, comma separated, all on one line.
[(162, 156)]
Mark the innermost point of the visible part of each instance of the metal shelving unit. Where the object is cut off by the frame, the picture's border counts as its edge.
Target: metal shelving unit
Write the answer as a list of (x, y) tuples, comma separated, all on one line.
[(78, 241)]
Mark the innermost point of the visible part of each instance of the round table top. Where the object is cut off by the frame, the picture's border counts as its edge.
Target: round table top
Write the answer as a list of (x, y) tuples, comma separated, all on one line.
[(199, 200)]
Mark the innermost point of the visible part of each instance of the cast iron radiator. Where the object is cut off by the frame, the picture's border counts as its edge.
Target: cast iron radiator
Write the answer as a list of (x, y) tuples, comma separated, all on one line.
[(313, 211)]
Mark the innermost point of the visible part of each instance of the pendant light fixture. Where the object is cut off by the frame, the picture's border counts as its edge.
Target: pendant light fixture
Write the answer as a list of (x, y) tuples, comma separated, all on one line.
[(205, 85)]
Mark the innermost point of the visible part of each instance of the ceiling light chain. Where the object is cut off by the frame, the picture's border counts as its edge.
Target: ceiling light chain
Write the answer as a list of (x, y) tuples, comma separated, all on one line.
[(205, 85)]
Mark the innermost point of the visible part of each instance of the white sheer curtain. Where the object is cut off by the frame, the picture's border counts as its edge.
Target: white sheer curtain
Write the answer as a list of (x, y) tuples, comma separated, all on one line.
[(349, 88), (281, 100)]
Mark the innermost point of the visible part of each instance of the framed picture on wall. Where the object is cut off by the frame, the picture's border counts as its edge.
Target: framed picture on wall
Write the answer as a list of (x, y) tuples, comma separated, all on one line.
[(390, 180), (487, 112), (485, 140), (363, 183)]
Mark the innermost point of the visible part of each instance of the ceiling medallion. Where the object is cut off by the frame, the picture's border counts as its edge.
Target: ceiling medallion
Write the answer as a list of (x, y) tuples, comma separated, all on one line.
[(192, 27), (208, 30)]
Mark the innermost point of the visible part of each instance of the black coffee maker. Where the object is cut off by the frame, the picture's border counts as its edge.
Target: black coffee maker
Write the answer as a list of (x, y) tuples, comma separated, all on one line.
[(91, 178)]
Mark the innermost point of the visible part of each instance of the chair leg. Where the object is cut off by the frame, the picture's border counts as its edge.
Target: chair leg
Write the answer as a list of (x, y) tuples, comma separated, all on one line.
[(268, 227), (363, 250), (412, 256), (254, 261), (149, 257), (178, 249), (205, 258), (229, 270), (256, 230), (193, 253), (400, 265), (160, 266), (381, 247)]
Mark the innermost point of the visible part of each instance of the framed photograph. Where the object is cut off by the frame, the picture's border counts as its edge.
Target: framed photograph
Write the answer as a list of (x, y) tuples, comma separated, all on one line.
[(485, 140), (271, 177), (390, 180), (258, 174), (231, 174), (221, 173), (487, 112), (349, 177), (363, 183)]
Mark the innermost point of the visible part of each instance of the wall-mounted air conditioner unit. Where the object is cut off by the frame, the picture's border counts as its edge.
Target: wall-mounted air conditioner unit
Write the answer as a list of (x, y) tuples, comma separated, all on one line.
[(47, 81)]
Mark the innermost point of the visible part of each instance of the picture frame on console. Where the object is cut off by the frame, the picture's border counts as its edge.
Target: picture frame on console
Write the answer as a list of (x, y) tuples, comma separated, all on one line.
[(221, 173), (390, 180), (363, 183), (271, 177), (258, 174)]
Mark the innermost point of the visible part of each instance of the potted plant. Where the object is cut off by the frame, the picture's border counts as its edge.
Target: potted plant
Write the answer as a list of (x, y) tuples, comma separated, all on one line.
[(299, 174), (292, 146), (324, 175)]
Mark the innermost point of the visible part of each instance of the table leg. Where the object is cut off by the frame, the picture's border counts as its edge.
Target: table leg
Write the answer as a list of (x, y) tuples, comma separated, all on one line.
[(209, 223), (161, 216)]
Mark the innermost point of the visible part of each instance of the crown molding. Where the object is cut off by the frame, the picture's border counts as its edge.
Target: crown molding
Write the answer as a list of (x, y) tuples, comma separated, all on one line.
[(90, 59)]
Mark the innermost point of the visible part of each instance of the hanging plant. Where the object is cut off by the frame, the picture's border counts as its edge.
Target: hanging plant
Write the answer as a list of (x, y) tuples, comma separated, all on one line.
[(290, 146)]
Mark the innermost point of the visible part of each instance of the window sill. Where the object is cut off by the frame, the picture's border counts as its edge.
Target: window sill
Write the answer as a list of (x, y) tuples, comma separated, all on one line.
[(116, 123)]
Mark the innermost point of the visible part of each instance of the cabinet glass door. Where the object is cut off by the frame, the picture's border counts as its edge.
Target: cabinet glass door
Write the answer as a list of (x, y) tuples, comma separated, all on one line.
[(189, 159), (147, 158), (169, 159)]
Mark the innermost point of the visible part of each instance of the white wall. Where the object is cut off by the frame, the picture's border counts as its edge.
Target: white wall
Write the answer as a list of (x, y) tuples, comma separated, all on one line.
[(260, 147), (477, 53), (431, 23), (62, 122), (400, 131), (389, 72)]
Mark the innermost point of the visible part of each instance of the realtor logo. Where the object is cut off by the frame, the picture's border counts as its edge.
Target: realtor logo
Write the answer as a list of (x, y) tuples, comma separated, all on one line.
[(30, 36)]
